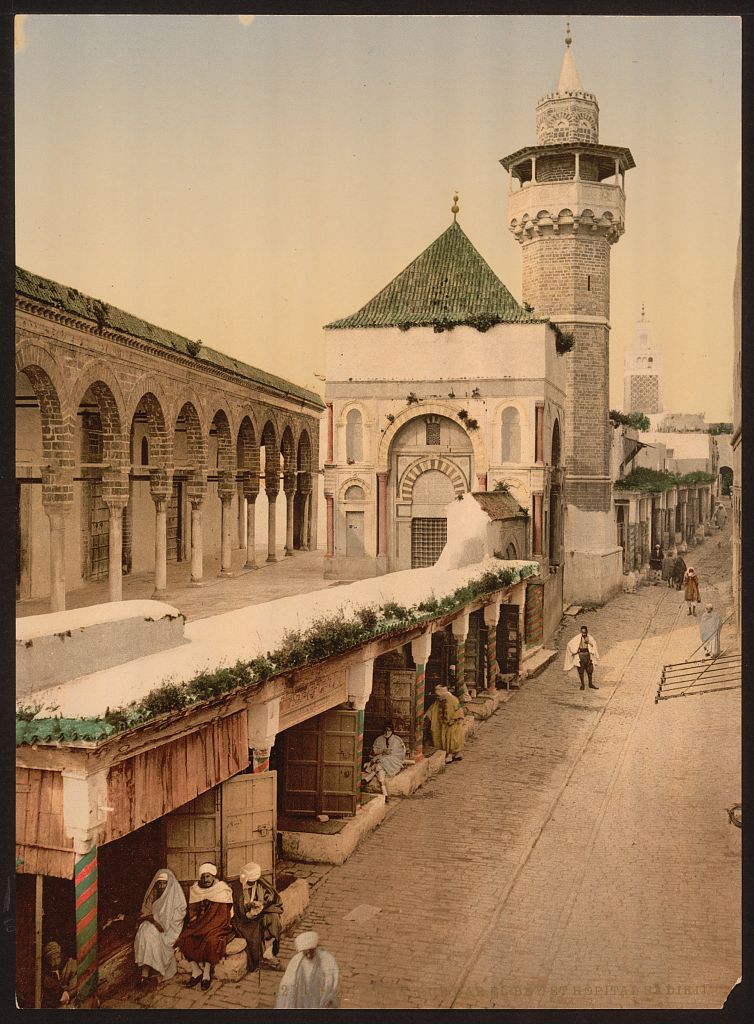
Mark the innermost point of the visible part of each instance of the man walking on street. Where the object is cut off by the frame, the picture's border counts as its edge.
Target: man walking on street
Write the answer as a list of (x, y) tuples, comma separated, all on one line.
[(582, 654), (311, 980)]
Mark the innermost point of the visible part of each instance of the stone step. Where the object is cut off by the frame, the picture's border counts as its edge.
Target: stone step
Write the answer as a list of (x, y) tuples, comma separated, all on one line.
[(536, 663)]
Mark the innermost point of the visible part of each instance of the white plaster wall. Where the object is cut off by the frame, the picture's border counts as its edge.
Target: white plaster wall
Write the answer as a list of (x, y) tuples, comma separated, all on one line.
[(387, 353), (684, 445)]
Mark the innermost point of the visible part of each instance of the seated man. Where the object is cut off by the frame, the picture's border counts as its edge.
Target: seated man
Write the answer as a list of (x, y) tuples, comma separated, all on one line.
[(160, 923), (388, 752), (207, 930), (58, 981), (257, 915)]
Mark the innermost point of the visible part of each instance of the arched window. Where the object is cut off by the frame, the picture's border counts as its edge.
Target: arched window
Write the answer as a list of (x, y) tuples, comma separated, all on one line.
[(145, 451), (510, 551), (354, 432), (511, 436), (433, 488), (354, 493), (555, 449)]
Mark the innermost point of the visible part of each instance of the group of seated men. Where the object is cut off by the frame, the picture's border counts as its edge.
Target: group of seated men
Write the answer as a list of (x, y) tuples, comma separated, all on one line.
[(203, 930)]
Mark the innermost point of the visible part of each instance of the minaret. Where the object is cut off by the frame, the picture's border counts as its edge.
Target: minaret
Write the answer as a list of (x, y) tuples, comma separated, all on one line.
[(566, 207), (642, 372)]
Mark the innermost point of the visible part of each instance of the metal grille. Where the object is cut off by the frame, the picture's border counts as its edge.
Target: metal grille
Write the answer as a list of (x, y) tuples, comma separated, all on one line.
[(174, 525), (433, 432), (428, 538), (99, 533)]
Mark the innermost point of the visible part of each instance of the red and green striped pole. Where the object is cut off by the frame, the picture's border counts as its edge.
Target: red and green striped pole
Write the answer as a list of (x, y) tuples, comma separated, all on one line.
[(418, 752), (260, 760), (359, 751), (85, 885)]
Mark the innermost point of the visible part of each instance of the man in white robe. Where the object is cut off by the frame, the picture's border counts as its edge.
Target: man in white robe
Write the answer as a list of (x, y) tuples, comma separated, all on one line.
[(709, 627), (388, 752), (311, 980), (160, 923)]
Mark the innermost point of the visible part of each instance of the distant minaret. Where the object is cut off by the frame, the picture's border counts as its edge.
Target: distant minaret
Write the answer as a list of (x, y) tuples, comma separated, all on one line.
[(566, 208), (642, 375)]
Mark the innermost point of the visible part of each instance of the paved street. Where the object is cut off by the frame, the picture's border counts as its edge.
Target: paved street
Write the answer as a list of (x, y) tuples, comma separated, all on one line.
[(579, 856)]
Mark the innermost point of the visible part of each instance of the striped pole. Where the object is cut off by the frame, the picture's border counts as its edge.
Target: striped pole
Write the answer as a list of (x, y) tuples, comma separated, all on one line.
[(260, 760), (461, 669), (418, 752), (359, 752), (85, 884), (493, 669)]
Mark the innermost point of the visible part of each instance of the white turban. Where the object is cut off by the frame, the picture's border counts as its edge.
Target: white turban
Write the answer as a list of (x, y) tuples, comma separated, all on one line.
[(207, 869), (250, 872), (306, 940)]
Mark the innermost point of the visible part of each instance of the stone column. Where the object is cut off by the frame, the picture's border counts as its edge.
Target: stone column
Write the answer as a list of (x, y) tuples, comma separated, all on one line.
[(537, 524), (330, 553), (539, 411), (420, 651), (160, 486), (329, 432), (460, 630), (272, 489), (115, 551), (382, 513), (491, 616), (57, 558), (262, 723), (251, 490), (242, 513), (160, 547), (196, 490), (481, 481), (359, 691), (305, 490), (225, 490), (289, 486)]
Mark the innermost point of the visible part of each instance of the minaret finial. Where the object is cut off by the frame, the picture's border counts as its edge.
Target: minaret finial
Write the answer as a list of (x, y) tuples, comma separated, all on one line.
[(642, 310), (454, 208), (568, 39)]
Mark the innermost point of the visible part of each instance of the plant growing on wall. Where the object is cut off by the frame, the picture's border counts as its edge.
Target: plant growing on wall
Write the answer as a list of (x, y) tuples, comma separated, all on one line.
[(411, 398), (389, 417), (475, 392), (564, 340), (502, 487), (462, 414), (472, 424), (194, 347)]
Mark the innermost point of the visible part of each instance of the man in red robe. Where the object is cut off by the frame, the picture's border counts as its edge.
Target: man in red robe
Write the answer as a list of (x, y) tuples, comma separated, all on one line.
[(207, 930)]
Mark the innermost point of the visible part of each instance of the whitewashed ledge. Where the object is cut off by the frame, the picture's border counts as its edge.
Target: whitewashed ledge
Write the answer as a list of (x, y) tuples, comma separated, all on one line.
[(246, 633)]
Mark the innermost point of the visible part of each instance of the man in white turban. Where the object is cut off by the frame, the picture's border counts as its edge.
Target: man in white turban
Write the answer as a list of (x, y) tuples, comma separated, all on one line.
[(257, 915), (58, 979), (162, 912), (709, 627), (208, 929), (311, 980)]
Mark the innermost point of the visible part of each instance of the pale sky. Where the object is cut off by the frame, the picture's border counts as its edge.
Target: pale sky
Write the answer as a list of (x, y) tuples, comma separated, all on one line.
[(245, 181)]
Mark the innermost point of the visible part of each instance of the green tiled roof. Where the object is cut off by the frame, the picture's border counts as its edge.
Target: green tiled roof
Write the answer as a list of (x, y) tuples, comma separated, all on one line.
[(448, 284), (61, 730), (72, 301)]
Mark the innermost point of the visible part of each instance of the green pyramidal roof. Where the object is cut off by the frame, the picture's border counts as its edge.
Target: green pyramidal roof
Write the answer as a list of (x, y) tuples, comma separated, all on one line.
[(448, 284), (73, 301)]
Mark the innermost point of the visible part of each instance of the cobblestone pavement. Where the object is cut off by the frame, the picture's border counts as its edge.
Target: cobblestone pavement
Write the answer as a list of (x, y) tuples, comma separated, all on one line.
[(579, 856)]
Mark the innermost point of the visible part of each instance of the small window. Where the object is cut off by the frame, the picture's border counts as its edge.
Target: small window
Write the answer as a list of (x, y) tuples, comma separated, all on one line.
[(649, 360), (588, 282), (433, 432), (145, 451)]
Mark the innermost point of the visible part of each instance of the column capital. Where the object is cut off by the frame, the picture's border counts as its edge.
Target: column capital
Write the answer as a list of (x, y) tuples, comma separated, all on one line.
[(160, 483), (115, 503), (460, 626), (491, 613), (359, 682), (421, 648), (85, 806), (263, 721)]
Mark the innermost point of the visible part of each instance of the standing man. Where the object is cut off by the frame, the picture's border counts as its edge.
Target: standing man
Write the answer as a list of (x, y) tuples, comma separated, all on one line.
[(582, 654), (258, 910), (208, 929), (311, 980), (445, 718), (691, 593), (709, 628)]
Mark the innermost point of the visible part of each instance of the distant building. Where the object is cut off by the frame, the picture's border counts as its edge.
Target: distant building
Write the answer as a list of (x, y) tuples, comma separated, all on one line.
[(642, 377)]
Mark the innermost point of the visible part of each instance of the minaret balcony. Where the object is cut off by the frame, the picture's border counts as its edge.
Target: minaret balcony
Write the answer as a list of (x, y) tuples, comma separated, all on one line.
[(559, 206)]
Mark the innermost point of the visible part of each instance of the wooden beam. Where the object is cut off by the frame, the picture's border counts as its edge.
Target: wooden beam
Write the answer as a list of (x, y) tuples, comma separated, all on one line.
[(38, 915)]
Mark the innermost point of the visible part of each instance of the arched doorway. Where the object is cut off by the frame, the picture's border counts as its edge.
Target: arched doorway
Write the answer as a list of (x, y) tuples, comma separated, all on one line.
[(726, 480), (431, 463)]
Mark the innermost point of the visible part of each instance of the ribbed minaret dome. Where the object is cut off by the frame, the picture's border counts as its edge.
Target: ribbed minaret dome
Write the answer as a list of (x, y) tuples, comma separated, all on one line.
[(570, 114), (569, 76)]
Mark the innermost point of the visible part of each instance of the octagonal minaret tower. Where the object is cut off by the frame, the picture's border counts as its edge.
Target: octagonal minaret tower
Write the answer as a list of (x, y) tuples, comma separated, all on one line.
[(566, 207)]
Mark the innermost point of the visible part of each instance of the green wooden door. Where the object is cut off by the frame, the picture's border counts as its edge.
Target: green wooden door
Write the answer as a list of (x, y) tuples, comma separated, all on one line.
[(321, 765), (193, 835)]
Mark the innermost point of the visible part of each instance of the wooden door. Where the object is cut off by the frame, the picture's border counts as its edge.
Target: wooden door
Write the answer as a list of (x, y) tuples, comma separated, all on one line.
[(193, 835), (508, 639), (355, 534), (98, 548), (339, 734), (321, 765), (476, 652), (441, 657), (391, 700), (249, 822)]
